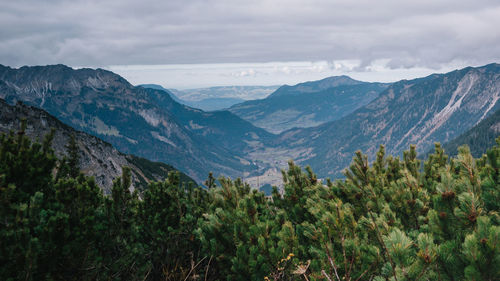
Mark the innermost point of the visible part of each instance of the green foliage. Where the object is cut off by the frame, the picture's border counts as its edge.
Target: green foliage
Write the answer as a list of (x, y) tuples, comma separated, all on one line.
[(168, 215), (57, 224), (389, 220), (151, 170)]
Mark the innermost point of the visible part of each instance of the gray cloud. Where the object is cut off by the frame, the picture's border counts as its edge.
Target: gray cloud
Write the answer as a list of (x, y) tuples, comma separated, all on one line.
[(408, 34)]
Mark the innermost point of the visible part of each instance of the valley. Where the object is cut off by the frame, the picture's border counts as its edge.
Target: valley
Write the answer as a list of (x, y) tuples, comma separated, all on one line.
[(319, 123), (249, 140)]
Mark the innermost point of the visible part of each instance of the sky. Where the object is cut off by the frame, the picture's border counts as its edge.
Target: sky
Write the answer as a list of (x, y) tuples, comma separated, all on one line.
[(199, 43)]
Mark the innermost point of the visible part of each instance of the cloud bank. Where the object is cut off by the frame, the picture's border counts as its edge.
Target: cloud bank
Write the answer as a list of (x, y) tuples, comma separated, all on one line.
[(189, 76), (403, 34)]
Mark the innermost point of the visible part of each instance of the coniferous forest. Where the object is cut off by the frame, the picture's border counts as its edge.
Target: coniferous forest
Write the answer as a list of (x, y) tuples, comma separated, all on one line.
[(393, 219)]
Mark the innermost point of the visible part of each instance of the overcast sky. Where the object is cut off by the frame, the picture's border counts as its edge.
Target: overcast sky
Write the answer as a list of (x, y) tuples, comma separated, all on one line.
[(191, 43)]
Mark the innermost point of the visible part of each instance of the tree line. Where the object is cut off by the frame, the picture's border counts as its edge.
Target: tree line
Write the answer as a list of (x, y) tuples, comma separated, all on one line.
[(394, 219)]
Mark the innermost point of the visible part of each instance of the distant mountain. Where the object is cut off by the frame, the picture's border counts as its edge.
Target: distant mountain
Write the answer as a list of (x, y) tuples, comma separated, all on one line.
[(159, 87), (479, 139), (207, 104), (308, 104), (223, 97), (212, 104), (241, 92), (218, 127), (134, 119), (315, 86), (437, 108), (97, 158)]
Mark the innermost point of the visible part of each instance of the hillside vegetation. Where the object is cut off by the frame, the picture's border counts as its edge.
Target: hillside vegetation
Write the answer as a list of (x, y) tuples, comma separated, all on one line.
[(96, 157), (479, 138), (390, 220)]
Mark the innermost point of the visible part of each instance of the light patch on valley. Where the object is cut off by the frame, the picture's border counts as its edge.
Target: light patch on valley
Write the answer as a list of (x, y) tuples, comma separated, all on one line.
[(161, 138), (276, 122), (101, 128), (97, 82), (272, 176), (496, 127), (195, 126), (495, 98), (131, 140), (150, 116)]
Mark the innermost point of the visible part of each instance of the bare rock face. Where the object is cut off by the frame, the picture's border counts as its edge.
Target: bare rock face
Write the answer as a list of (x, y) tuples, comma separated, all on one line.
[(97, 158)]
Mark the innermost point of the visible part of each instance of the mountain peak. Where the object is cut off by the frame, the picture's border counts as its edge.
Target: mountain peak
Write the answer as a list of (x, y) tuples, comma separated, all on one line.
[(316, 86), (60, 77), (340, 80)]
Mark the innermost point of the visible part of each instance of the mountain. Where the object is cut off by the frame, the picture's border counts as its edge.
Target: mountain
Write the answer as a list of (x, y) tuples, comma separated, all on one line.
[(308, 104), (159, 87), (437, 108), (149, 123), (97, 157), (240, 92), (315, 86), (206, 104), (218, 127), (134, 119), (479, 139), (223, 97), (216, 98), (212, 104)]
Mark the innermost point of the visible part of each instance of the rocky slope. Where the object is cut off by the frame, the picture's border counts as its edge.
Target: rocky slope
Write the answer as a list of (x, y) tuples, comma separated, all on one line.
[(436, 108), (308, 104), (134, 119), (97, 158)]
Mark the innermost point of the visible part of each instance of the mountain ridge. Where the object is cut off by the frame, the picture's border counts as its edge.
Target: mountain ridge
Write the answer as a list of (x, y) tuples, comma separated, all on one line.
[(478, 138), (421, 111), (97, 157), (308, 104), (409, 111), (106, 105)]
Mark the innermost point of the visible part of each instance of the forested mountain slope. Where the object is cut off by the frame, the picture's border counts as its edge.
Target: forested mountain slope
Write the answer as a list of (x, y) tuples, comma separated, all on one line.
[(479, 138)]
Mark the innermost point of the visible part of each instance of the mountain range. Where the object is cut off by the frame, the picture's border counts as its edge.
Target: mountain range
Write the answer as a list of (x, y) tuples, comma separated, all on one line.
[(215, 98), (134, 119), (308, 104), (221, 97), (318, 123), (436, 108), (97, 158)]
